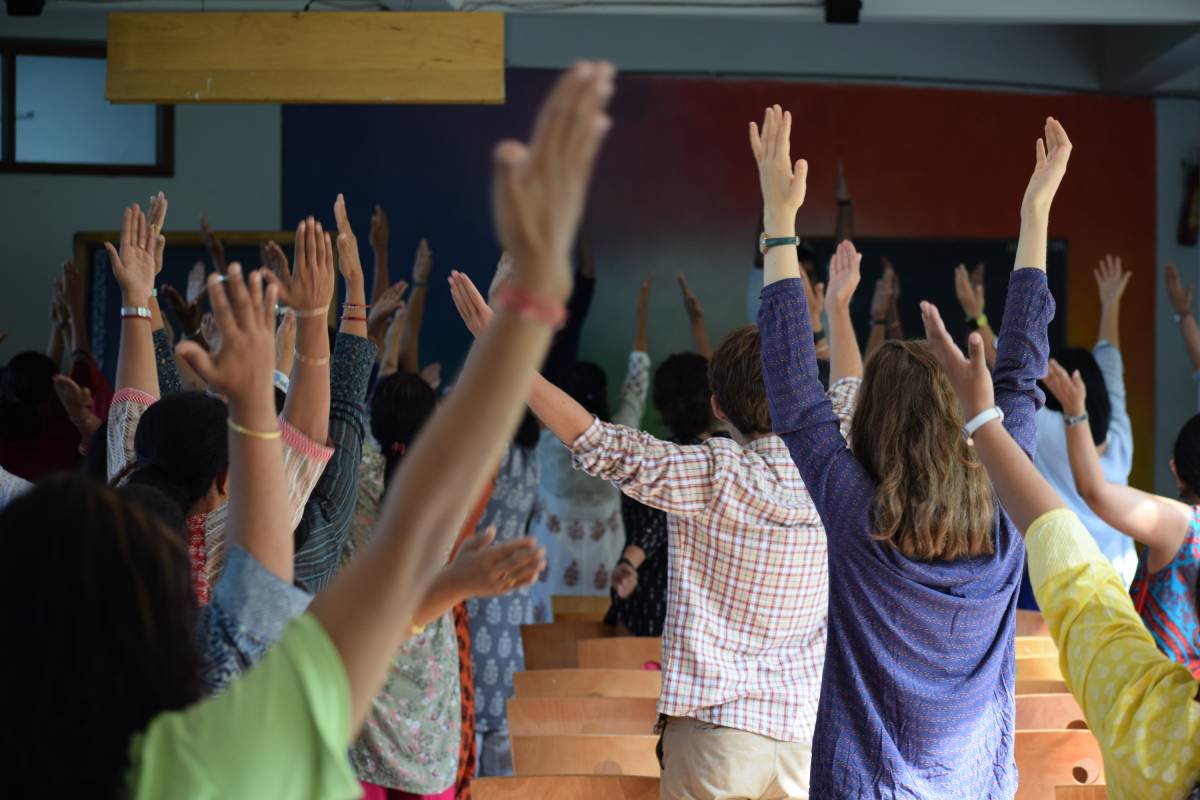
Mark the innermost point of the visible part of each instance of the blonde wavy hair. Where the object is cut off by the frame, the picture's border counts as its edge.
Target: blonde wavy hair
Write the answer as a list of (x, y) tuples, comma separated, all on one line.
[(934, 500)]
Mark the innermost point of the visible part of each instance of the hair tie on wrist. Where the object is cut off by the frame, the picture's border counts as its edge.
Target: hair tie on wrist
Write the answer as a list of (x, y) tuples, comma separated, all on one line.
[(244, 431), (533, 308), (312, 362), (356, 305)]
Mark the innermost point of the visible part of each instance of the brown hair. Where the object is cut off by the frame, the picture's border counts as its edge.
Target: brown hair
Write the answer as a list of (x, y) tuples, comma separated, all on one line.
[(934, 500), (735, 378)]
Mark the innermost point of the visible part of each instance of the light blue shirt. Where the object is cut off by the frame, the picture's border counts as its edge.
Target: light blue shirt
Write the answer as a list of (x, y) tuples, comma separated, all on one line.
[(1054, 463)]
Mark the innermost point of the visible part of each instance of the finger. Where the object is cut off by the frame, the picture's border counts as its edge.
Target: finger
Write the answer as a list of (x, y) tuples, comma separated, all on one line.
[(255, 297), (339, 214), (1077, 382), (219, 300), (756, 144), (199, 359), (270, 298), (310, 245), (1040, 155), (328, 252), (127, 228), (548, 126), (239, 297), (978, 358), (1054, 128)]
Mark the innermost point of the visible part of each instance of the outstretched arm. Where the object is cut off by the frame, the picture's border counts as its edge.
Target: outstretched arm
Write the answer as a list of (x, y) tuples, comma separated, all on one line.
[(380, 236), (539, 196), (133, 268), (640, 323), (881, 308), (969, 289), (845, 360), (695, 313), (410, 338), (1160, 523), (845, 208), (1111, 280), (1181, 306)]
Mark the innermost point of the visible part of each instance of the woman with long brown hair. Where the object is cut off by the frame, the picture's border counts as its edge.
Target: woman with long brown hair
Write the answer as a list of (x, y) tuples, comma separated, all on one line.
[(917, 690)]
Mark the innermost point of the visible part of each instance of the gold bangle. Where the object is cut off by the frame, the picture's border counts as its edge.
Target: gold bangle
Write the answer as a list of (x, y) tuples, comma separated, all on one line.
[(233, 426), (312, 312), (312, 362), (416, 629)]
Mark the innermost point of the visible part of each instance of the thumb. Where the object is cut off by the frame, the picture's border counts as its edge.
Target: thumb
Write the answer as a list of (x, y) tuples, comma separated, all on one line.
[(1077, 382), (112, 255), (978, 360), (199, 359)]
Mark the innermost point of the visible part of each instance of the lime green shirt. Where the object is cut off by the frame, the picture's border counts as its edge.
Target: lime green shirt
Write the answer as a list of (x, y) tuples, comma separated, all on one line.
[(281, 730), (1139, 703)]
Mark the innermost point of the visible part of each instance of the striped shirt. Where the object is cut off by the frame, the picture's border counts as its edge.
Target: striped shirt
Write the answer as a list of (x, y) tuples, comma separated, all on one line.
[(1166, 599), (747, 583)]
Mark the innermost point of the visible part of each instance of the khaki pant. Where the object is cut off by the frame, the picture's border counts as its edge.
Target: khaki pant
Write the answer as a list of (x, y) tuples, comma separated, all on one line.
[(708, 762)]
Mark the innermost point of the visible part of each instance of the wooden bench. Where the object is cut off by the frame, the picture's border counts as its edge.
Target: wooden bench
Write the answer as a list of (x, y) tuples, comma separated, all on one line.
[(579, 608), (1036, 646), (588, 683), (541, 716), (1038, 668), (1048, 759), (620, 652), (586, 754), (566, 787), (1049, 712), (553, 645)]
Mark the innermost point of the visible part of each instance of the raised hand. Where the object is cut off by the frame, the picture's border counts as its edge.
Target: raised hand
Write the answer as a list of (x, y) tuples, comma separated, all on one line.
[(624, 580), (816, 299), (422, 263), (379, 230), (389, 303), (539, 189), (311, 283), (1068, 388), (432, 375), (77, 401), (210, 332), (473, 309), (970, 377), (783, 183), (216, 250), (1181, 298), (482, 569), (242, 369), (158, 218), (1111, 279), (503, 276), (641, 313), (348, 262), (73, 292), (691, 304), (190, 312), (277, 261), (844, 275), (970, 294), (134, 267), (1050, 165)]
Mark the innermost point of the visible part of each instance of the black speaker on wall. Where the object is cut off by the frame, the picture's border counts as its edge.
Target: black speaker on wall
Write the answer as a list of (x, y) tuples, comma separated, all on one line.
[(842, 12), (25, 8)]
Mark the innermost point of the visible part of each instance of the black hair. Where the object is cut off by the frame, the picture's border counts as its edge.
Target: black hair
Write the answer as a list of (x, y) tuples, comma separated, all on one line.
[(158, 504), (587, 384), (402, 404), (25, 385), (1187, 458), (95, 464), (682, 395), (527, 432), (1099, 408), (89, 578), (182, 446)]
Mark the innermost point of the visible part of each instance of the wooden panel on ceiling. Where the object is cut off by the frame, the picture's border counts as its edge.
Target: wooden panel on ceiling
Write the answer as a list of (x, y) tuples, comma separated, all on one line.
[(336, 57)]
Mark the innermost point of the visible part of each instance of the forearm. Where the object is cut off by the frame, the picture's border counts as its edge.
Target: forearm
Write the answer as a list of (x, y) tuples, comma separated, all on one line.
[(780, 263), (354, 320), (1191, 338), (443, 594), (1021, 488), (410, 337), (452, 459), (55, 344), (700, 337), (307, 405), (844, 229), (640, 338), (989, 344), (382, 279), (1031, 246), (845, 360), (136, 367), (81, 339), (877, 337), (558, 411), (1085, 463), (1110, 323), (258, 504)]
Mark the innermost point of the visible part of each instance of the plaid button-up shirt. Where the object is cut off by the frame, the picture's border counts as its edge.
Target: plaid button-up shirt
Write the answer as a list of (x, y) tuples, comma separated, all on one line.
[(748, 578)]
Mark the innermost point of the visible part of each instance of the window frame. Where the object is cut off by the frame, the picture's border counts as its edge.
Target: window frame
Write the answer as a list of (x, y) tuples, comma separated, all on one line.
[(10, 49)]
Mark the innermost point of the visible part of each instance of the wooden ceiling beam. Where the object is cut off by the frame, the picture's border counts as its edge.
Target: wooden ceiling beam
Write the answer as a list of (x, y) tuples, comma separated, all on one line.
[(337, 57)]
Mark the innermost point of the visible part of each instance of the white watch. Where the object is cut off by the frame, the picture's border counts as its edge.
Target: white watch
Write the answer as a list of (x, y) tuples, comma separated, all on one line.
[(981, 419)]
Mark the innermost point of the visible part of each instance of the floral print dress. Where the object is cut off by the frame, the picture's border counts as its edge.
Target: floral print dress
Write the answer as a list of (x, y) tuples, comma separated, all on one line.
[(578, 517)]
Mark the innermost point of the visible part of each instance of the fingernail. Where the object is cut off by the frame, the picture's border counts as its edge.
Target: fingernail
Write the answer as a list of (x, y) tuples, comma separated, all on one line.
[(235, 268)]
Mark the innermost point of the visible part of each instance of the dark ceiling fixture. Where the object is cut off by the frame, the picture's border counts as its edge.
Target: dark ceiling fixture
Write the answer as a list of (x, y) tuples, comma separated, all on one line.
[(842, 12)]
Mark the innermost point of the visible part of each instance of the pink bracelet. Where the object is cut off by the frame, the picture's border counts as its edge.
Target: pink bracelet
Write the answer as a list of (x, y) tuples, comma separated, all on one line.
[(534, 308)]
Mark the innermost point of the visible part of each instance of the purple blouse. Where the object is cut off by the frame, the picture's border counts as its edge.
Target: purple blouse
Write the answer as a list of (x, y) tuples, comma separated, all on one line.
[(917, 692)]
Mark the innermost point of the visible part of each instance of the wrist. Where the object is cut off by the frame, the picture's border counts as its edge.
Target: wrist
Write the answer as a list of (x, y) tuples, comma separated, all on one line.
[(139, 298), (779, 223), (356, 292), (552, 288), (254, 407)]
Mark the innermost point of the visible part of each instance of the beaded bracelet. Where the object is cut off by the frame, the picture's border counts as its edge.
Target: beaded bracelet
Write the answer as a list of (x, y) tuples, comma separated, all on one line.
[(244, 431), (312, 362), (534, 308), (347, 318)]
